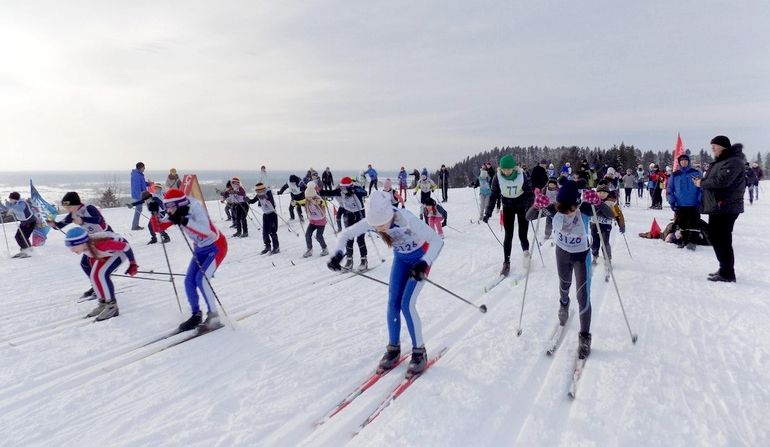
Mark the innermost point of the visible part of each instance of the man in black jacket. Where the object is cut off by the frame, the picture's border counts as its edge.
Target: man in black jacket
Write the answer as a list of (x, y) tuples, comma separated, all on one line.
[(723, 187), (443, 180), (539, 176)]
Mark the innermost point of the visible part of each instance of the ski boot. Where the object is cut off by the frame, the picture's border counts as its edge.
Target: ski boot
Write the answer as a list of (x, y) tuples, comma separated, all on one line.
[(389, 360), (563, 313), (349, 264), (506, 268), (275, 251), (308, 253), (237, 234), (364, 265), (265, 250), (211, 323), (110, 310), (153, 240), (245, 234), (595, 260), (96, 310), (417, 363), (691, 246), (164, 238), (324, 252), (191, 323), (584, 344), (88, 293)]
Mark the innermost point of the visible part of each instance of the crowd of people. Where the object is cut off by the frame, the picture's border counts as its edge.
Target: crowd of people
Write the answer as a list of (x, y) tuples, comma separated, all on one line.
[(580, 208)]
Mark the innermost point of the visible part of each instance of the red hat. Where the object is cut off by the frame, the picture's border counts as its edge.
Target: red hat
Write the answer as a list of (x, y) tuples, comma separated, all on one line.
[(235, 179), (175, 197), (346, 181)]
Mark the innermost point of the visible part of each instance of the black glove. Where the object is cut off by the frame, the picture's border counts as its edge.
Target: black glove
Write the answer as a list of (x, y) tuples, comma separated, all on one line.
[(485, 219), (443, 224), (153, 207), (334, 263), (419, 271), (178, 219)]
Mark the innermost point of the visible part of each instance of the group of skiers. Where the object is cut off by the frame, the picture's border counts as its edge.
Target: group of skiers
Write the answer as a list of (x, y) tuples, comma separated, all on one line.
[(578, 218)]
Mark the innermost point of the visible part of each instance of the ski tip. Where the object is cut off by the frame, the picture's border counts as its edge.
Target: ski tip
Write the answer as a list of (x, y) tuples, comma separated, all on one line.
[(483, 309), (634, 338)]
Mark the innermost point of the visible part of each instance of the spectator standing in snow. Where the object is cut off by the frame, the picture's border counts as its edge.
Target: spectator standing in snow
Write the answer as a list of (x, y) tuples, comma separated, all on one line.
[(723, 187), (443, 180), (172, 181), (327, 180), (138, 185), (684, 198)]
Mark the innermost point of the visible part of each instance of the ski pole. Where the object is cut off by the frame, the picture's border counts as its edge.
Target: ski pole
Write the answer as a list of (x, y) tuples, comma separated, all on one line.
[(615, 283), (493, 233), (526, 279), (453, 228), (288, 225), (331, 221), (478, 207), (152, 272), (482, 308), (139, 277), (356, 272), (206, 277), (255, 219), (219, 208), (537, 242), (5, 235), (376, 248), (168, 264), (627, 247)]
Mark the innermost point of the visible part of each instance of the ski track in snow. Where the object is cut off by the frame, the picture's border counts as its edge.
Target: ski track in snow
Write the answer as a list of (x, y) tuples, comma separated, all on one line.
[(697, 374)]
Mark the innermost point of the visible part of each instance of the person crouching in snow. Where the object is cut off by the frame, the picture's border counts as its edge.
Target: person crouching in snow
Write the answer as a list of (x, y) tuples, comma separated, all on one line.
[(209, 250), (315, 208), (415, 248), (105, 252), (570, 226), (604, 224), (264, 200)]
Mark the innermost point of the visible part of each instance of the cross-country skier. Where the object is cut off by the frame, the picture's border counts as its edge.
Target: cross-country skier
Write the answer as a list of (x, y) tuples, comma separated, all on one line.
[(105, 252), (264, 199), (396, 197), (483, 182), (23, 213), (236, 197), (352, 210), (156, 197), (209, 250), (88, 217), (296, 188), (604, 224), (415, 248), (402, 184), (315, 207), (510, 186), (372, 173), (570, 225)]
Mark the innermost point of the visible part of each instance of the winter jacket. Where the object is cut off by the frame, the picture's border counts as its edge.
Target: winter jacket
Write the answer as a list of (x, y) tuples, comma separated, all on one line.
[(681, 189), (372, 173), (725, 183), (629, 181), (265, 202), (539, 177), (758, 172), (21, 210), (93, 221), (326, 178), (138, 184), (517, 194), (751, 177), (172, 181), (402, 178), (443, 177), (296, 189)]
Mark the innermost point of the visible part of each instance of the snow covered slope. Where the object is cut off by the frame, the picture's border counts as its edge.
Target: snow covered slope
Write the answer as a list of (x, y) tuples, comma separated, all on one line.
[(697, 376)]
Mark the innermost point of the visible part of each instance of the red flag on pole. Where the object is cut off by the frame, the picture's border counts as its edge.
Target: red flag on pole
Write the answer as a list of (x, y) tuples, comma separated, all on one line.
[(678, 151)]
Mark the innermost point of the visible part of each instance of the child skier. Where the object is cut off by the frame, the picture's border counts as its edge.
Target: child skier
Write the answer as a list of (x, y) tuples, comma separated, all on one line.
[(629, 182), (551, 191), (86, 216), (425, 186), (395, 197), (402, 185), (155, 197), (433, 217), (296, 189), (23, 213), (570, 222), (351, 209), (315, 207), (415, 248), (210, 248), (512, 188), (604, 224), (483, 182), (236, 197), (269, 218), (105, 252)]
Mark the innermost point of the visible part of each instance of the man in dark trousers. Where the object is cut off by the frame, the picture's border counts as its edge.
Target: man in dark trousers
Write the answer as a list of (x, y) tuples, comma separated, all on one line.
[(539, 176), (443, 180), (723, 186)]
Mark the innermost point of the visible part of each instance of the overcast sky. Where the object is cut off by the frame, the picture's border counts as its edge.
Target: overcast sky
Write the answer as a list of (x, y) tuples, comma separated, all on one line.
[(226, 84)]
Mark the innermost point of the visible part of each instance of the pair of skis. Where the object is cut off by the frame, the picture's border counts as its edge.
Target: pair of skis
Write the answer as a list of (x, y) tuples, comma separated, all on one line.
[(369, 382), (553, 344)]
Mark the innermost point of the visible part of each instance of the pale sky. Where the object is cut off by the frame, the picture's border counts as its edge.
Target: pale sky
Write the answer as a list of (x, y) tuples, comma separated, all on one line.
[(292, 84)]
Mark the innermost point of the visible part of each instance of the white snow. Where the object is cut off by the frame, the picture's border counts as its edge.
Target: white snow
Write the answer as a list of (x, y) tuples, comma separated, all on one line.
[(697, 376)]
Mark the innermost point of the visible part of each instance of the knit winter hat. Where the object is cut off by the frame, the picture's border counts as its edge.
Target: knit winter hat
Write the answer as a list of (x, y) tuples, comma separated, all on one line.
[(721, 140), (507, 162), (685, 156), (260, 188), (14, 196), (568, 194), (610, 171), (346, 182), (379, 210), (235, 180), (603, 188), (75, 236), (70, 199), (311, 190), (175, 197), (425, 172), (553, 180), (293, 179), (483, 173), (387, 185)]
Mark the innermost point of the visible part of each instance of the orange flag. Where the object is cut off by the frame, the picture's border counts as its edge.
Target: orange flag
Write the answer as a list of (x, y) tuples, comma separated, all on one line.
[(678, 151), (192, 188)]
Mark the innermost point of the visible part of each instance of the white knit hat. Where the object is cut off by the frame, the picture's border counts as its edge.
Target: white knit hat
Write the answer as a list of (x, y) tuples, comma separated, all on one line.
[(310, 190), (379, 210)]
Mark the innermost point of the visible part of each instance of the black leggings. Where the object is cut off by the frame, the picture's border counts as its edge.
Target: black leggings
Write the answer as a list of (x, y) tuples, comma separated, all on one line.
[(720, 231), (24, 232), (566, 264), (509, 216), (319, 229)]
